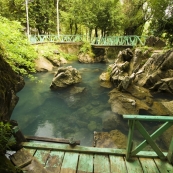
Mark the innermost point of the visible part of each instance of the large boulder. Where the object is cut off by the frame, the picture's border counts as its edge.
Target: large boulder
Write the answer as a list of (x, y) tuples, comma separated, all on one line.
[(98, 55), (65, 76), (85, 58), (105, 80), (42, 64)]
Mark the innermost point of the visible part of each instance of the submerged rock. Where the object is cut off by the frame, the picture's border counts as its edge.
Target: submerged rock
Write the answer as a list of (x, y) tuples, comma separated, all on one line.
[(74, 97), (126, 103), (112, 139), (65, 76)]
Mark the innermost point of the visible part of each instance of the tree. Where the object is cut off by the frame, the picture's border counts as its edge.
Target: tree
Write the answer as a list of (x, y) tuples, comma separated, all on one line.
[(134, 16), (162, 19)]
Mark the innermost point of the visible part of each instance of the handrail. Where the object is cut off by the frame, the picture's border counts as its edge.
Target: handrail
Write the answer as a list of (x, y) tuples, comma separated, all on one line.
[(130, 40), (134, 121)]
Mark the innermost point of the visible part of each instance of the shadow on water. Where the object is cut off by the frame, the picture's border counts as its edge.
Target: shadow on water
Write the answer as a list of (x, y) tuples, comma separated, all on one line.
[(42, 112)]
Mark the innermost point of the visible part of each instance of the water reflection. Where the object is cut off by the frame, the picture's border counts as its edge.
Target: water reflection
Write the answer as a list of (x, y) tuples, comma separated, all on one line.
[(45, 129)]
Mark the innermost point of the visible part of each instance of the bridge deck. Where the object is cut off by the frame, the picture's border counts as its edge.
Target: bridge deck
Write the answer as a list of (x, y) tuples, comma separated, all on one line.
[(41, 157)]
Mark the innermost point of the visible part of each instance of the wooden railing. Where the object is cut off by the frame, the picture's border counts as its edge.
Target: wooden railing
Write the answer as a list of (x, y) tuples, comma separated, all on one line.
[(130, 40), (134, 122)]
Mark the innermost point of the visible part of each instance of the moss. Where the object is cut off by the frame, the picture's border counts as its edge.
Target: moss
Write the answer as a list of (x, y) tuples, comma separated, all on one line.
[(8, 83), (7, 167)]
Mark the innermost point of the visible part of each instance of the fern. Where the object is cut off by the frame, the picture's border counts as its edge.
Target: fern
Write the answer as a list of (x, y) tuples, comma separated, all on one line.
[(6, 139)]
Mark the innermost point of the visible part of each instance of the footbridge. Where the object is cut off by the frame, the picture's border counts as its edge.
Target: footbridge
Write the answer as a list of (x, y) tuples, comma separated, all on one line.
[(130, 40)]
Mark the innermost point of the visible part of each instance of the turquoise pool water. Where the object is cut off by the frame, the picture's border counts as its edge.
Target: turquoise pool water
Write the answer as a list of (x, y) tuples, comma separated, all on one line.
[(46, 113)]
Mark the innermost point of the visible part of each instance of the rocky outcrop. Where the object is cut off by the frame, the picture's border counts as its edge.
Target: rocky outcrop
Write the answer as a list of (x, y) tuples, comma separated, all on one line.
[(10, 84), (85, 58), (121, 69), (153, 41), (157, 73), (133, 83), (65, 76), (98, 55), (42, 64), (112, 139), (105, 80)]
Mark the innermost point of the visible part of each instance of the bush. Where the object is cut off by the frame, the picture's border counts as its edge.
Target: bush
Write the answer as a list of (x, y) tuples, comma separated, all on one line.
[(5, 137), (18, 51)]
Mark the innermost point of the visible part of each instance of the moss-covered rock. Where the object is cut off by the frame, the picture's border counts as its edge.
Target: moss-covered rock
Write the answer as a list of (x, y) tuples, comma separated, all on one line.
[(6, 166), (10, 83)]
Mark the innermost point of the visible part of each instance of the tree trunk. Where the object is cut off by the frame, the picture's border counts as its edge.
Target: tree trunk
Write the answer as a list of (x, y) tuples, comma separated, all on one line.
[(76, 29)]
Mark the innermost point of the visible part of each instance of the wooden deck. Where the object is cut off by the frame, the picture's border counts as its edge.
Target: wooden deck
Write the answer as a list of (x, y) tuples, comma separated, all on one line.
[(41, 157)]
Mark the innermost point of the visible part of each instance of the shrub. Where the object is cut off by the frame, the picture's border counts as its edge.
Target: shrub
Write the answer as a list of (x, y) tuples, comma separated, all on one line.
[(5, 137), (18, 51)]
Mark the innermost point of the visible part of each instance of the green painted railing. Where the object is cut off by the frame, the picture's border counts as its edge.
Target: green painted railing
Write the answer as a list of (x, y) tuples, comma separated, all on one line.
[(134, 121), (132, 40)]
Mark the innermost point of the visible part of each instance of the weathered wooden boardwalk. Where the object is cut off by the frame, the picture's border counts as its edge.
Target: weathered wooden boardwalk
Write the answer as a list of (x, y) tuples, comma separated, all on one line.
[(41, 157), (67, 157)]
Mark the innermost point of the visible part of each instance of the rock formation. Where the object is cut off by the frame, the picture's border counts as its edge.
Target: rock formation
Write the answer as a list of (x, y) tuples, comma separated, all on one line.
[(134, 76), (65, 77), (153, 41), (97, 56), (10, 84)]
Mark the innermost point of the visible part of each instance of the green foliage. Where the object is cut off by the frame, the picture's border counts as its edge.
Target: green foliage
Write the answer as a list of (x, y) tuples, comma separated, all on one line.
[(109, 69), (5, 137), (86, 49), (19, 53), (48, 51)]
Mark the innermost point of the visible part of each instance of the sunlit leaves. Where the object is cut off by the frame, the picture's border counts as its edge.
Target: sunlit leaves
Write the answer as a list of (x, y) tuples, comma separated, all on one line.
[(19, 53), (5, 136)]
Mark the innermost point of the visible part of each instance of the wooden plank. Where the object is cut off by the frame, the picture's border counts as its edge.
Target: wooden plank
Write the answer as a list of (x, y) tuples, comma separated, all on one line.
[(153, 136), (145, 134), (56, 140), (31, 151), (66, 147), (42, 156), (133, 166), (55, 161), (101, 164), (163, 166), (117, 164), (34, 167), (70, 162), (150, 154), (148, 165), (149, 118), (21, 158), (85, 164)]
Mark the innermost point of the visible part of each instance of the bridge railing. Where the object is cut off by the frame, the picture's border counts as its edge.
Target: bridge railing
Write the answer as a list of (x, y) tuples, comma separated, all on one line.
[(134, 122), (132, 40)]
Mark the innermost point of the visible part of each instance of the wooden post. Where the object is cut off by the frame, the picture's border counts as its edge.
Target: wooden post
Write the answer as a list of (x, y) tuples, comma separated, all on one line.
[(170, 152), (130, 137), (19, 137)]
